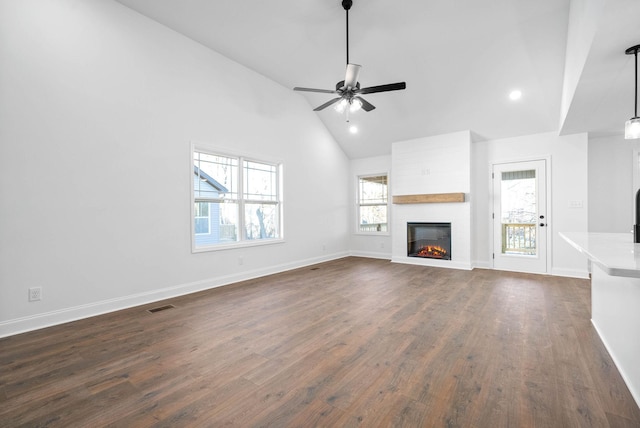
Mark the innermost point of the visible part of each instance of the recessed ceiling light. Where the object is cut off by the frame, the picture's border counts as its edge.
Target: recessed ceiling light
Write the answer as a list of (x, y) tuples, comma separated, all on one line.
[(515, 95), (353, 129)]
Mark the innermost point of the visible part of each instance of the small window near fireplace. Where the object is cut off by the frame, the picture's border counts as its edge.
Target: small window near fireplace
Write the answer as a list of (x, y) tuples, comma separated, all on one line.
[(429, 240), (372, 203)]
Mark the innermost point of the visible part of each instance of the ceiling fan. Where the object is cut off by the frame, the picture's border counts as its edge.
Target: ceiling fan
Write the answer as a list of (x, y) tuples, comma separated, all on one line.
[(348, 90)]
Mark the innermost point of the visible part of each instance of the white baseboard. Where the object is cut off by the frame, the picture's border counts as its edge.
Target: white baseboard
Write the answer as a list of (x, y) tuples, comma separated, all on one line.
[(480, 264), (571, 273), (371, 255), (48, 319)]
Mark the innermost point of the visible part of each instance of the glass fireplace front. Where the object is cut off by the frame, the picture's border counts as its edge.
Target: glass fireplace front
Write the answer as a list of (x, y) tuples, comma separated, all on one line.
[(429, 240)]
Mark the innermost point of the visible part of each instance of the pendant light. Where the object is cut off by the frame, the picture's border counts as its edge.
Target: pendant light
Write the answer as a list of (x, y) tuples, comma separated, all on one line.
[(632, 126)]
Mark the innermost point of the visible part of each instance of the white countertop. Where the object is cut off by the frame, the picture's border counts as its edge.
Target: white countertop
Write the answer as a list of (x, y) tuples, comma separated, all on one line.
[(614, 253)]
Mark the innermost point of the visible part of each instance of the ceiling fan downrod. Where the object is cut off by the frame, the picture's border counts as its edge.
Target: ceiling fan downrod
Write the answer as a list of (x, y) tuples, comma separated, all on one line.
[(346, 4)]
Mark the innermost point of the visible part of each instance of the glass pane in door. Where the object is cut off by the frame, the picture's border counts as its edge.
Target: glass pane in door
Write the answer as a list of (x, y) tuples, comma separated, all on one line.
[(518, 212)]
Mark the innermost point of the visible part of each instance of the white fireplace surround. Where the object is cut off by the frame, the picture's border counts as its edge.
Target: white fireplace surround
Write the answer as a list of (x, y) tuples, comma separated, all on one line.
[(439, 164)]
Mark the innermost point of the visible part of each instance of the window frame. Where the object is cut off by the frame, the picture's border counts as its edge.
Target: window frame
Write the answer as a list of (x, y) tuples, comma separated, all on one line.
[(359, 205), (240, 200)]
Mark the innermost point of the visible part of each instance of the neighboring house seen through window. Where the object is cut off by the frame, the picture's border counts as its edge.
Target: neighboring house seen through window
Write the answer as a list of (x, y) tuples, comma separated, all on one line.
[(235, 200), (372, 203)]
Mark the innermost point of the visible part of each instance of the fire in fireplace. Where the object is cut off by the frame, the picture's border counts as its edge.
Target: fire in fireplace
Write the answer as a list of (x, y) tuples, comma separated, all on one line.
[(429, 240)]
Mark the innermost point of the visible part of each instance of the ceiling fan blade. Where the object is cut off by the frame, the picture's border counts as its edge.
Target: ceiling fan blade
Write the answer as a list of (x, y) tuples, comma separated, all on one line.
[(323, 91), (383, 88), (327, 104), (366, 105), (351, 78)]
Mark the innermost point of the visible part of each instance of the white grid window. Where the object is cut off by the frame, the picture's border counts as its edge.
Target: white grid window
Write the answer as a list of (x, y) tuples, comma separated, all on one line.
[(235, 200), (373, 203)]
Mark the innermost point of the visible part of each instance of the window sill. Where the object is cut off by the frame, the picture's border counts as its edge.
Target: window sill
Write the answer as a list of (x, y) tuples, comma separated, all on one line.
[(372, 233), (242, 244)]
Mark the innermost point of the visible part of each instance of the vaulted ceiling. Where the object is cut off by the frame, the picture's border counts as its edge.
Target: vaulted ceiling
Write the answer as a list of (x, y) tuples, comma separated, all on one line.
[(459, 58)]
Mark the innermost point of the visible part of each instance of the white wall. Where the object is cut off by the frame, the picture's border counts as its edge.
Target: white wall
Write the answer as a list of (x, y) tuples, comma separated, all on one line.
[(611, 188), (98, 109), (568, 175), (376, 245), (439, 164)]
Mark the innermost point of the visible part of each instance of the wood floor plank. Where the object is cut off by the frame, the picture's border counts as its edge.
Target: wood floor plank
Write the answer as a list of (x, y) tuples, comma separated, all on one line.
[(351, 342)]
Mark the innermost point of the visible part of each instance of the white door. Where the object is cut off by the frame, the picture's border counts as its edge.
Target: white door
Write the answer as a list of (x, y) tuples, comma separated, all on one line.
[(520, 220)]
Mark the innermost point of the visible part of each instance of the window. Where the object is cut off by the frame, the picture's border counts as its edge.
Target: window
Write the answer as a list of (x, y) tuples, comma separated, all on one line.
[(372, 203), (235, 200)]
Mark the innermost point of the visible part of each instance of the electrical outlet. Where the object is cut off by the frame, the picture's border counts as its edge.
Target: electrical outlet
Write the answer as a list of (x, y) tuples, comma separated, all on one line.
[(35, 294), (240, 261)]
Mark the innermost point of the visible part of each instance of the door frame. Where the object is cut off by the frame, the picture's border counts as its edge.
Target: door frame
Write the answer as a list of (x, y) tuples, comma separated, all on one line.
[(549, 220)]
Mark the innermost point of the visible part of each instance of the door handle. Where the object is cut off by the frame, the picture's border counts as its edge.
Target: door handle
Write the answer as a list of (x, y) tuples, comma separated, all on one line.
[(542, 225)]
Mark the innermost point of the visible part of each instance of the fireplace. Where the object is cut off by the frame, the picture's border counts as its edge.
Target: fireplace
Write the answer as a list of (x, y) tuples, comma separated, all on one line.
[(429, 240)]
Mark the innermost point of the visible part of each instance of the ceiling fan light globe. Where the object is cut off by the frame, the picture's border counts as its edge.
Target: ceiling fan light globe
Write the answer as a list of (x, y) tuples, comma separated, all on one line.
[(356, 105), (632, 129), (341, 105)]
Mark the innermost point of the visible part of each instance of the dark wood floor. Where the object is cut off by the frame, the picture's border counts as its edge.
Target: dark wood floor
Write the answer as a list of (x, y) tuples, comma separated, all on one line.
[(353, 342)]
